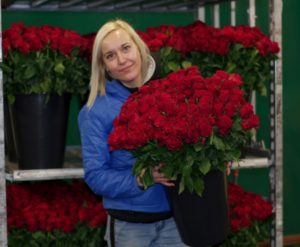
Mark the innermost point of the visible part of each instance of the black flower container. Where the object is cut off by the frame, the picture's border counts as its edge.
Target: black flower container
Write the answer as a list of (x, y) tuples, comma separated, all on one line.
[(202, 221), (39, 125)]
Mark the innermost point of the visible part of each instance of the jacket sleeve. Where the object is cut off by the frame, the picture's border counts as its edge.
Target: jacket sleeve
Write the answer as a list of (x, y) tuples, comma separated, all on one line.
[(98, 172)]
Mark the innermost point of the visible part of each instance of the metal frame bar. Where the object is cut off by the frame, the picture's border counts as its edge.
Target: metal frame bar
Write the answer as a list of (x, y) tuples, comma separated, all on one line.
[(38, 3), (3, 212), (157, 4), (233, 13), (183, 6), (216, 15), (71, 3), (251, 13), (252, 23), (127, 3), (201, 14), (98, 3), (276, 126)]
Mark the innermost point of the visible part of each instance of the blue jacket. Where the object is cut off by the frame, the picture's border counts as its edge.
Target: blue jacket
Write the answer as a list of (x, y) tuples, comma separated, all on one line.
[(109, 174)]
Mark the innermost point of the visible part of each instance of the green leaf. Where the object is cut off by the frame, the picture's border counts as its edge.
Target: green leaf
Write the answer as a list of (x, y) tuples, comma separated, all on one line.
[(185, 64), (187, 171), (181, 185), (189, 183), (168, 170), (166, 51), (198, 147), (147, 178), (29, 72), (199, 185), (189, 161), (219, 144), (59, 68), (231, 67), (205, 166), (137, 168), (173, 66)]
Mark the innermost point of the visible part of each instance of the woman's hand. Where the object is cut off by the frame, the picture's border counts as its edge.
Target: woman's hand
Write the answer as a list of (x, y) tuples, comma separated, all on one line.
[(158, 177)]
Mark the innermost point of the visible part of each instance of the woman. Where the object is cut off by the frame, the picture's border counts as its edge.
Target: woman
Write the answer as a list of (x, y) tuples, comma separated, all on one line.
[(137, 217)]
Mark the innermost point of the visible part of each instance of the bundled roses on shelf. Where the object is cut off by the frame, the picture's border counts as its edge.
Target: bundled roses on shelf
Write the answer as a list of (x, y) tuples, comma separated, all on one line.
[(250, 218), (43, 59), (241, 49), (189, 123), (69, 214), (54, 213)]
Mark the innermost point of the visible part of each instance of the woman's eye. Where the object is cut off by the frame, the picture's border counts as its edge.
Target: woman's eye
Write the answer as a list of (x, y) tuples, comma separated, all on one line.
[(126, 48), (109, 56)]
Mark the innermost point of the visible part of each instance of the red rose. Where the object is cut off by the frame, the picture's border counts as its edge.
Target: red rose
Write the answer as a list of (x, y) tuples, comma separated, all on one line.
[(251, 122), (155, 44), (246, 110), (173, 143), (224, 124)]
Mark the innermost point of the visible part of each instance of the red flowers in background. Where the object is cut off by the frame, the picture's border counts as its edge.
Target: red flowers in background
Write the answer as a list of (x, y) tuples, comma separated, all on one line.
[(203, 38), (246, 208), (44, 59), (46, 206), (241, 49), (35, 38), (190, 123)]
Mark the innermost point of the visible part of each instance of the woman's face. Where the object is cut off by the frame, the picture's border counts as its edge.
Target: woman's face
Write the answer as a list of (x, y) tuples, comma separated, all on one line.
[(122, 58)]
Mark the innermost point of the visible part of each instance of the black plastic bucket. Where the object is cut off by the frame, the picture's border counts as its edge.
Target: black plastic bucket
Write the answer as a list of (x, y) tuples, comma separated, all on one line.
[(202, 221), (39, 128)]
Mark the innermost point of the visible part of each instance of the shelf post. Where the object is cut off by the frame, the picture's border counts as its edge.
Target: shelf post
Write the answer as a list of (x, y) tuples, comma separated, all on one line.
[(276, 126), (3, 216)]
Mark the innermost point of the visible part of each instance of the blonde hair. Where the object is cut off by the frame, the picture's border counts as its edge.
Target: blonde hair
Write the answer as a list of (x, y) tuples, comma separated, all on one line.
[(98, 75)]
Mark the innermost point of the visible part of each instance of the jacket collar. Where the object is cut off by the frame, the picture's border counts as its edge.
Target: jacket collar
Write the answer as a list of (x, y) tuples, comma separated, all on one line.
[(114, 89)]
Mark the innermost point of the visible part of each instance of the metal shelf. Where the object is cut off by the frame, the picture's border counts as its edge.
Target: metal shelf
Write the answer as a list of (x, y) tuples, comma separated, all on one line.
[(251, 162), (44, 174), (107, 5), (72, 169)]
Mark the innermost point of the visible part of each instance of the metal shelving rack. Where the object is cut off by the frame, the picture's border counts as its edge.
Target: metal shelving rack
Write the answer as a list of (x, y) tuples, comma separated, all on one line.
[(275, 162), (72, 168)]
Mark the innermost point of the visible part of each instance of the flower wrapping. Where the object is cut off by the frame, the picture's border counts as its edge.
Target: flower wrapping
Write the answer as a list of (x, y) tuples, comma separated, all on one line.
[(189, 123)]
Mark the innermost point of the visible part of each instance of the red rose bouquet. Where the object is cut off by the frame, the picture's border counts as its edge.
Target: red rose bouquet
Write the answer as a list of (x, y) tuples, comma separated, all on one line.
[(43, 59), (190, 123)]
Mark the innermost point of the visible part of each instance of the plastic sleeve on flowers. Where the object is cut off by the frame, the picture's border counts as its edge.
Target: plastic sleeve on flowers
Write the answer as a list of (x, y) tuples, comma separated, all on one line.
[(98, 173)]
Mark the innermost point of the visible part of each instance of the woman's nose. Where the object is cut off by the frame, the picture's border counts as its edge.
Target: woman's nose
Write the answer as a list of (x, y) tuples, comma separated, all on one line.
[(121, 58)]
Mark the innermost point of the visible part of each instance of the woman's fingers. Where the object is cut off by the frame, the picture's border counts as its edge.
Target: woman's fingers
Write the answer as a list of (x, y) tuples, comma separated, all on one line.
[(138, 178), (159, 177)]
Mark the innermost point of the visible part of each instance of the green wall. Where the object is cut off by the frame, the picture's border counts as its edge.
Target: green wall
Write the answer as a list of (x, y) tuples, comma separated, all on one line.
[(255, 179), (291, 114)]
